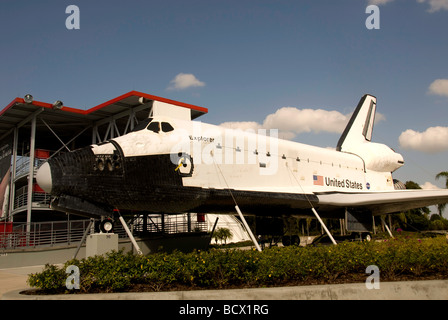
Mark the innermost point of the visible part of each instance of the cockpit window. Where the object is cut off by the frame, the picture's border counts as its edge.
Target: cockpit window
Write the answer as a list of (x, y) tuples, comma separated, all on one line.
[(154, 126), (166, 127), (142, 125)]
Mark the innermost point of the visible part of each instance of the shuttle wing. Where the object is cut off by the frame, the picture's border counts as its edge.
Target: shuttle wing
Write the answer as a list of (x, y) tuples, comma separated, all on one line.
[(383, 202)]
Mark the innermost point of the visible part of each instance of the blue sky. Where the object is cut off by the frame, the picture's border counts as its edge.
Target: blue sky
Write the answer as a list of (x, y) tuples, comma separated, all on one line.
[(245, 60)]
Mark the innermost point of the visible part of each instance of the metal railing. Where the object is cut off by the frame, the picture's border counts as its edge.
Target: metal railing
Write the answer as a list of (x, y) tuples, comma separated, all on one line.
[(169, 224), (23, 165), (39, 199), (43, 234), (63, 233)]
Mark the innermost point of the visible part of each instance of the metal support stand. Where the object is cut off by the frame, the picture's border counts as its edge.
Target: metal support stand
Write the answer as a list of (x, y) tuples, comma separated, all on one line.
[(213, 230), (324, 226), (387, 228), (30, 179), (129, 233), (84, 236), (239, 211), (373, 223), (248, 229), (314, 210)]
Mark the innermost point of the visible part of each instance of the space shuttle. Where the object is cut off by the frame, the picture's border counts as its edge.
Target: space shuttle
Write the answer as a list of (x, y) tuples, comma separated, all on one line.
[(171, 166)]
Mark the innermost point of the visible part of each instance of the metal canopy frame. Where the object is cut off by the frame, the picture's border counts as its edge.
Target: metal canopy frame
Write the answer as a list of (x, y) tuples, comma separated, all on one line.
[(40, 126)]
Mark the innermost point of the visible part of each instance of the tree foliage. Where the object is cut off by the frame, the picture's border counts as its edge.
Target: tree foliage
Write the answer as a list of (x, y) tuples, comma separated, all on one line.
[(444, 174), (222, 234)]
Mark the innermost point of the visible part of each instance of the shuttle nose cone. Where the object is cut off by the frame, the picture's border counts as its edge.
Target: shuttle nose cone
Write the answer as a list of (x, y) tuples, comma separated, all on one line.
[(43, 177)]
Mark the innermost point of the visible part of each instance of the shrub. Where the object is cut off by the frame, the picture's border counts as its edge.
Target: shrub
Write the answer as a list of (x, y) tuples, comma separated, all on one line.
[(50, 279), (438, 223), (117, 271)]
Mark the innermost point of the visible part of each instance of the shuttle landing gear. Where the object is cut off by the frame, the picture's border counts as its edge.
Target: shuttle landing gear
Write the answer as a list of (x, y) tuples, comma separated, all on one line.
[(293, 240), (366, 236), (107, 225), (272, 230)]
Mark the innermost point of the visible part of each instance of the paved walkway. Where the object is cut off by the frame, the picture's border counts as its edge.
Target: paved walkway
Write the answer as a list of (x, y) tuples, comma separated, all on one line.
[(15, 278)]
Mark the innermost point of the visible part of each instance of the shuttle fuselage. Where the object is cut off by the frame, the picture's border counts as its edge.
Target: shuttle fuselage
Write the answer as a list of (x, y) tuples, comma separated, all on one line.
[(172, 166)]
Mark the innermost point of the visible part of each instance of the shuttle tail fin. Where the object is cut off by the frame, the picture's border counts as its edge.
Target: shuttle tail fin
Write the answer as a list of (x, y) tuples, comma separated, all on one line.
[(357, 136), (359, 128)]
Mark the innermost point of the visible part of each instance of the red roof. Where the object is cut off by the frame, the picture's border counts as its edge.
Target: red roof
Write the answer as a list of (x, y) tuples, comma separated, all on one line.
[(138, 94), (110, 102), (18, 110)]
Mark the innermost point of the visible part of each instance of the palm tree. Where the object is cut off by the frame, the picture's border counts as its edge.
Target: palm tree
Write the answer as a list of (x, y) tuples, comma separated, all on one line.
[(444, 174), (222, 234)]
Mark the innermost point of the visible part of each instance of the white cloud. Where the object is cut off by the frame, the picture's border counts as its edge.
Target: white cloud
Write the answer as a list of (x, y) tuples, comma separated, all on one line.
[(290, 122), (439, 87), (379, 117), (242, 125), (434, 139), (306, 120), (429, 186), (183, 81), (379, 2), (435, 5)]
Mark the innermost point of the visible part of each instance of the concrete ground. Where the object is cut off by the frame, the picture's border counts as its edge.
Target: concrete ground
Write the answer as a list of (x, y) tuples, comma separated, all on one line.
[(13, 280)]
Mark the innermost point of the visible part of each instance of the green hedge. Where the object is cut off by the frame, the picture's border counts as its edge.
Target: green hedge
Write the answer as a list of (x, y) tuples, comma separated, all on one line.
[(249, 268)]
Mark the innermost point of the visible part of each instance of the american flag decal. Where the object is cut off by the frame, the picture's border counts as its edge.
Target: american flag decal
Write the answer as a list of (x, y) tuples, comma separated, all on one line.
[(318, 180)]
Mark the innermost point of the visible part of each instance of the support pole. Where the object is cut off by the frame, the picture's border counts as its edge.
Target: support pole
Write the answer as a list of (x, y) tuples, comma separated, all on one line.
[(12, 186), (125, 226), (84, 236), (314, 211), (145, 223), (54, 133), (323, 226), (239, 212), (373, 223), (248, 229), (188, 222), (213, 230), (387, 228), (30, 177)]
